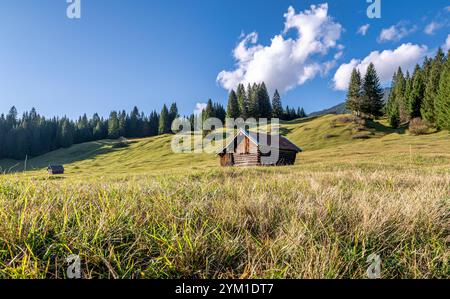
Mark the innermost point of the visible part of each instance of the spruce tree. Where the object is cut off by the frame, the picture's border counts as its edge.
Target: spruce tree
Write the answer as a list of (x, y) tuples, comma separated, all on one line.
[(173, 113), (164, 121), (443, 97), (113, 126), (11, 118), (354, 92), (209, 111), (404, 106), (243, 101), (125, 126), (426, 69), (400, 88), (254, 108), (431, 89), (233, 106), (98, 131), (396, 98), (417, 93), (302, 113), (372, 93), (219, 112), (265, 108), (277, 106), (392, 107), (154, 123)]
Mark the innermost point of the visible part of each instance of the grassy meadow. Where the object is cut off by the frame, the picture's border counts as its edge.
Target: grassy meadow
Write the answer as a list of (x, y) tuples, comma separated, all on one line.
[(144, 212)]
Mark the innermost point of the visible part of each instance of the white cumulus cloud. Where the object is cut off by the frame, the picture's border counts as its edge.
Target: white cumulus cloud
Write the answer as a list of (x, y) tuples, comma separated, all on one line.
[(287, 62), (432, 27), (199, 107), (396, 32), (363, 29), (446, 46), (386, 63)]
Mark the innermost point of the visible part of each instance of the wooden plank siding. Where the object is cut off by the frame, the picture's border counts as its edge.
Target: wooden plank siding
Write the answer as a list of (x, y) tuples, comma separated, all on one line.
[(245, 150), (247, 159)]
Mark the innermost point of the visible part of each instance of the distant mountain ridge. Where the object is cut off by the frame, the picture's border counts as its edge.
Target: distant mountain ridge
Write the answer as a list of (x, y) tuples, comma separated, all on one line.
[(341, 109), (338, 109)]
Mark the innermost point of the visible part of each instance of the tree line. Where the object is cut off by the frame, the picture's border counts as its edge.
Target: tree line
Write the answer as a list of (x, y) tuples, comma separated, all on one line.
[(33, 135), (423, 95), (254, 102)]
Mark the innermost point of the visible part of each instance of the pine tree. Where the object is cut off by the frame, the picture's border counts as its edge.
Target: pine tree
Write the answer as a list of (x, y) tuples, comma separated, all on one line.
[(219, 112), (277, 106), (426, 69), (173, 113), (98, 131), (392, 107), (372, 93), (249, 101), (404, 106), (354, 92), (242, 101), (154, 123), (113, 126), (432, 86), (67, 133), (417, 93), (164, 121), (134, 129), (265, 108), (233, 106), (396, 98), (125, 126), (254, 109), (443, 97), (11, 118), (302, 113), (209, 111)]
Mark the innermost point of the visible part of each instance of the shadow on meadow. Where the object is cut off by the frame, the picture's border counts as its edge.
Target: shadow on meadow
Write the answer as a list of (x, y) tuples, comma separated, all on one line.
[(79, 152)]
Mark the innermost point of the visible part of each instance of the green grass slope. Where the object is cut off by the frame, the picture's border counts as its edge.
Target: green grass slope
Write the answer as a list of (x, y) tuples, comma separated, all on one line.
[(327, 140)]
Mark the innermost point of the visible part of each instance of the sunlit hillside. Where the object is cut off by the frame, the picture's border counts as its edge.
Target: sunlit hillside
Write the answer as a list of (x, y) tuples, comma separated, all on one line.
[(326, 141)]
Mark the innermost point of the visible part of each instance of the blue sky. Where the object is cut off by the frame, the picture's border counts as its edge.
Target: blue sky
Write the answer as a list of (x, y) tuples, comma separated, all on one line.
[(146, 53)]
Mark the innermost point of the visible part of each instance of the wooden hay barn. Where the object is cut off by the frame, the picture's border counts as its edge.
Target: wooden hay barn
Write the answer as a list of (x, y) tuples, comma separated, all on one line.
[(250, 149), (55, 169)]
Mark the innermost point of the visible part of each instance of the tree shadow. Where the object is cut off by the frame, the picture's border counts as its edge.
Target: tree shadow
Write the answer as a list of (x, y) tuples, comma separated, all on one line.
[(75, 153), (299, 120), (379, 127), (285, 131)]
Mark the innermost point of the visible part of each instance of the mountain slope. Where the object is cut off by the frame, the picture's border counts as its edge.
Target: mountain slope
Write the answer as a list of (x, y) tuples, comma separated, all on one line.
[(338, 109), (341, 109)]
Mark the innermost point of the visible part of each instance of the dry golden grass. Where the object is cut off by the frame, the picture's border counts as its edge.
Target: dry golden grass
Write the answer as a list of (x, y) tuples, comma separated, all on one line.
[(232, 223)]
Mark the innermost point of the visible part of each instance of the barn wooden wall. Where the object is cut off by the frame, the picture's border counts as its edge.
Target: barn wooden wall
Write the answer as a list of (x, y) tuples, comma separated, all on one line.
[(247, 154)]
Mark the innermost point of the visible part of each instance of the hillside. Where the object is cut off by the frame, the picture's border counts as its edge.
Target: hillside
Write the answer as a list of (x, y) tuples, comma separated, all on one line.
[(326, 140), (144, 212)]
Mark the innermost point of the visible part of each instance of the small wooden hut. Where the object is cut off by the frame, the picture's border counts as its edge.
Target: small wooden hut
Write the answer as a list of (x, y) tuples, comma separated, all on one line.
[(250, 149), (55, 169)]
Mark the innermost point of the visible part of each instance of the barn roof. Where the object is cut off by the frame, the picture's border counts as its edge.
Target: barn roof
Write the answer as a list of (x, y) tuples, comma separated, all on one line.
[(56, 167), (262, 140)]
